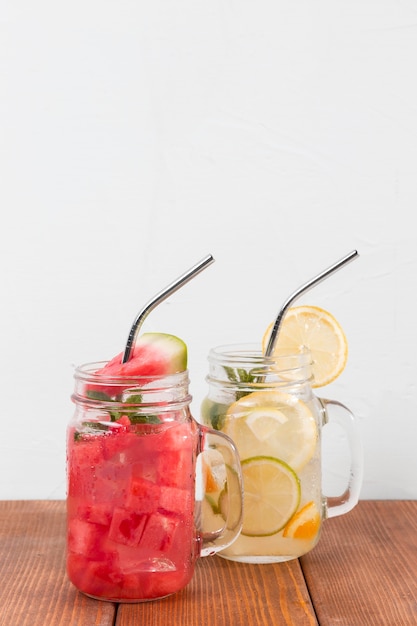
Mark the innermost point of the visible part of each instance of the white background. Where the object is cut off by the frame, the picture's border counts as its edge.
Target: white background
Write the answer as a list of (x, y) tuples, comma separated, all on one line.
[(137, 137)]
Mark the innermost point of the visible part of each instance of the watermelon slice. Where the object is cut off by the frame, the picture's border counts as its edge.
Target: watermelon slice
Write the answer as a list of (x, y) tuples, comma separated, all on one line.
[(154, 354)]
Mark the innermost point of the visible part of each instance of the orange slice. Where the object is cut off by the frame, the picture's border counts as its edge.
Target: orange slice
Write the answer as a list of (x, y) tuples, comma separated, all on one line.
[(305, 524)]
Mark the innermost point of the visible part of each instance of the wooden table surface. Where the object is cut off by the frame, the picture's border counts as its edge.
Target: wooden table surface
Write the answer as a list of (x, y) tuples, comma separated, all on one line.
[(363, 571)]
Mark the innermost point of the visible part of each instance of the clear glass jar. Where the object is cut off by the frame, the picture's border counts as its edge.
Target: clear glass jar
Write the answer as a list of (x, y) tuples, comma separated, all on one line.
[(136, 464), (267, 406)]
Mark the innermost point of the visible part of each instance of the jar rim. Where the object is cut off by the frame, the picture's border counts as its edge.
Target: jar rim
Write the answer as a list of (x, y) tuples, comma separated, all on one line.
[(252, 352), (92, 388), (245, 365), (90, 372)]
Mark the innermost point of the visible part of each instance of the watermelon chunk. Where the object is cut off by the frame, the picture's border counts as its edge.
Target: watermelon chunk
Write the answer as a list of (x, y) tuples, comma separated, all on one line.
[(127, 527), (143, 495), (160, 532), (85, 538), (178, 501)]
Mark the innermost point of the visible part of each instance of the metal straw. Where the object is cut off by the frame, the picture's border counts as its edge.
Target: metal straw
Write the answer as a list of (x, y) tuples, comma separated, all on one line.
[(159, 297), (308, 285)]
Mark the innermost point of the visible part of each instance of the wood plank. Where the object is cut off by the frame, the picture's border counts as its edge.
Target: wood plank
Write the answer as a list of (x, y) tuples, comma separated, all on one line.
[(34, 589), (363, 572), (224, 592)]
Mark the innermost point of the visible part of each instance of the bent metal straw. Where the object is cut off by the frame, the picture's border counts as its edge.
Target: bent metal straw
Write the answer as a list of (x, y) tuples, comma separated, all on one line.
[(159, 297), (301, 290)]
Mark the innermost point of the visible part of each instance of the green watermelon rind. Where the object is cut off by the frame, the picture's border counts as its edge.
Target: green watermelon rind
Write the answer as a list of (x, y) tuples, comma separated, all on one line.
[(171, 344), (154, 354)]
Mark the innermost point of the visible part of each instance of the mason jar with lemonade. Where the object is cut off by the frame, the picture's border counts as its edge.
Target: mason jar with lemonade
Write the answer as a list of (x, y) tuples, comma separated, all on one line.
[(266, 404)]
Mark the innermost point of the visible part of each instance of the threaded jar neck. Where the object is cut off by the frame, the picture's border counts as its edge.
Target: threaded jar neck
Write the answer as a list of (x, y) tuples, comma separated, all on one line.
[(244, 367), (94, 389)]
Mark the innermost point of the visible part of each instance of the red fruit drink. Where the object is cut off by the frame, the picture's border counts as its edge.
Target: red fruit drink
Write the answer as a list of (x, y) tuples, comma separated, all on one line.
[(132, 449), (131, 452), (131, 510)]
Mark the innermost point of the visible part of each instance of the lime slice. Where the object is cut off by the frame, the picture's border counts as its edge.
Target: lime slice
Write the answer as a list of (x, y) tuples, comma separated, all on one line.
[(229, 505), (271, 495), (275, 424)]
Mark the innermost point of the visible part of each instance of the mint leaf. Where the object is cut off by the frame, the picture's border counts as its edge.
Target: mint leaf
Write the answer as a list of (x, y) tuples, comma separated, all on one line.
[(239, 375), (135, 398), (231, 374), (98, 395), (137, 418), (244, 376), (91, 429)]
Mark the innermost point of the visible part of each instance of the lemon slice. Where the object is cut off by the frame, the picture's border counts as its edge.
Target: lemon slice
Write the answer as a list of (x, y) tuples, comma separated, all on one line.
[(305, 524), (271, 495), (319, 331), (272, 423)]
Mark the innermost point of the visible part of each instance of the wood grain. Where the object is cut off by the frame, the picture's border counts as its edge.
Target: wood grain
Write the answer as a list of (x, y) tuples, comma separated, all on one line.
[(363, 572), (34, 588), (223, 592)]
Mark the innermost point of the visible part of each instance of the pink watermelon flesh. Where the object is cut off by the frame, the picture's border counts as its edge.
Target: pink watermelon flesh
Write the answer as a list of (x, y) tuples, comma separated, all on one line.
[(154, 354)]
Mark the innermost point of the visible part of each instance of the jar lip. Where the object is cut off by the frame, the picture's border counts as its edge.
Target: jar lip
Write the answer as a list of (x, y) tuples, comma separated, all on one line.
[(90, 372), (252, 353), (245, 365)]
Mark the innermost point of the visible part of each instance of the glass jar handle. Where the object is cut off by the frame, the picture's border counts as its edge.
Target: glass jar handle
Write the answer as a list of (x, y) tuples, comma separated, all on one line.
[(219, 506), (337, 413)]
